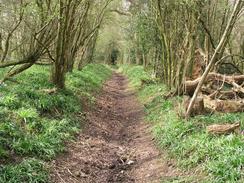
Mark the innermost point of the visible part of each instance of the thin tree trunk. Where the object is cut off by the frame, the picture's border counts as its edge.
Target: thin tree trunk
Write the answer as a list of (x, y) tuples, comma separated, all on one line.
[(220, 48)]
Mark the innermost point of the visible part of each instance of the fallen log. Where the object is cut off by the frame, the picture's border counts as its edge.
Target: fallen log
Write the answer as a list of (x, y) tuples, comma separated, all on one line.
[(239, 79), (218, 51), (231, 106), (209, 104), (235, 81), (190, 86), (222, 95), (225, 95), (49, 91), (198, 107), (219, 129)]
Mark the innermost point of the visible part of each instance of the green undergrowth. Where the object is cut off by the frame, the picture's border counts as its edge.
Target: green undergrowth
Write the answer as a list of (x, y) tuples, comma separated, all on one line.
[(216, 159), (135, 73), (35, 124)]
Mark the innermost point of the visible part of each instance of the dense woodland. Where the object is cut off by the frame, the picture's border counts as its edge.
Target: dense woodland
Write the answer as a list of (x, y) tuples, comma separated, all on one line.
[(180, 40), (183, 54)]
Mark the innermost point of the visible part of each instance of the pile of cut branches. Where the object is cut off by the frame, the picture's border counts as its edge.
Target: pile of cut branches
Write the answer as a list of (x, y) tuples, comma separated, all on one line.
[(222, 93)]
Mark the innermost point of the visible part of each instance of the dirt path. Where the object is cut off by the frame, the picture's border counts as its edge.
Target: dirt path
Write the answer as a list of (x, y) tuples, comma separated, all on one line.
[(116, 145)]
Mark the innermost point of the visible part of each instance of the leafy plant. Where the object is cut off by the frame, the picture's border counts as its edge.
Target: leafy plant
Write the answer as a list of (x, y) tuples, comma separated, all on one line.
[(29, 113), (10, 101), (30, 170)]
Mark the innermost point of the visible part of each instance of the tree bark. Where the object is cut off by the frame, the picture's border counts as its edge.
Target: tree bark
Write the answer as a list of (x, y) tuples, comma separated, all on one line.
[(58, 72), (218, 51)]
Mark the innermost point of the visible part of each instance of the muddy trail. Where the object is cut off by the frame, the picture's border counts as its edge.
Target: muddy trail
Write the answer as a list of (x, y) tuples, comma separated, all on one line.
[(116, 145)]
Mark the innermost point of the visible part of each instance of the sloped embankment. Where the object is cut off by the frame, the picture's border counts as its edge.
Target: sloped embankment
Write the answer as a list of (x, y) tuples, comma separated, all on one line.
[(36, 120), (217, 159)]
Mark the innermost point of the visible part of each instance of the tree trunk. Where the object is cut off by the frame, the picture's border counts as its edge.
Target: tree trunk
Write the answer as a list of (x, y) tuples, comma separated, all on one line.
[(219, 50), (58, 71)]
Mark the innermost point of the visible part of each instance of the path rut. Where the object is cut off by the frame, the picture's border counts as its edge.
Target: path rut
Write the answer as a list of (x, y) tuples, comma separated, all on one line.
[(116, 145)]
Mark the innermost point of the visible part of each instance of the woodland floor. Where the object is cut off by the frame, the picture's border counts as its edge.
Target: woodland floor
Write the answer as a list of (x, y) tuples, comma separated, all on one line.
[(116, 145)]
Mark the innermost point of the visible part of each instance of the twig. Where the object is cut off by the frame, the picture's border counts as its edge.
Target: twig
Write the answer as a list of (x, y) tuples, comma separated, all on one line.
[(60, 177)]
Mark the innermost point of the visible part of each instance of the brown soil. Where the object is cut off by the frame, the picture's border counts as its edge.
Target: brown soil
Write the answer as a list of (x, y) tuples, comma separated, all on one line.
[(115, 146)]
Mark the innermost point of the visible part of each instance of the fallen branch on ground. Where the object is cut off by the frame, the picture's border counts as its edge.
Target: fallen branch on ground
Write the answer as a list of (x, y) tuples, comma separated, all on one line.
[(219, 129)]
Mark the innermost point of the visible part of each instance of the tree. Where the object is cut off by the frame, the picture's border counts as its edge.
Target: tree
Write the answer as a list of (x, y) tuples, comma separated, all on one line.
[(52, 32), (218, 51)]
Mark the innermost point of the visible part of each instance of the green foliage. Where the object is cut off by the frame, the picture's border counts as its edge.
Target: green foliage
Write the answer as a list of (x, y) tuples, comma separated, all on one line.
[(49, 141), (30, 170), (136, 74), (36, 124), (220, 157), (10, 101), (89, 79), (30, 113), (145, 27)]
